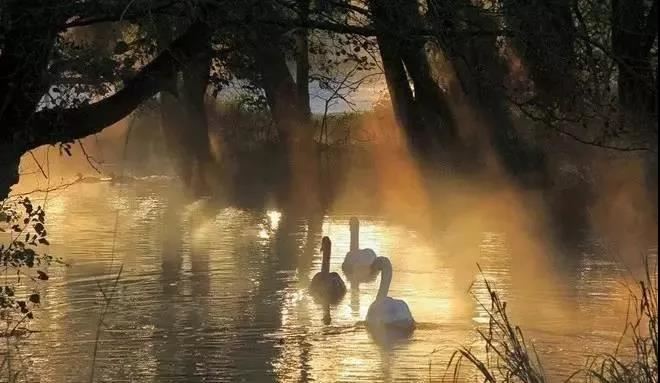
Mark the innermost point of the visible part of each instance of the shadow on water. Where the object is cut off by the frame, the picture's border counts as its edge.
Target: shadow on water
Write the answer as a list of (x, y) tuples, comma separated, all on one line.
[(166, 324)]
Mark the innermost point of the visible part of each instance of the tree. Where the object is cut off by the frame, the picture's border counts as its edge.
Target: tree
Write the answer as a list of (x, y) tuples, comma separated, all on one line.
[(597, 65)]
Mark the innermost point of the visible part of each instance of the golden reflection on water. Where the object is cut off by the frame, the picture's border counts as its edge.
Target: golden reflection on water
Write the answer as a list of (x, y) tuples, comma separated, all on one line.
[(221, 293)]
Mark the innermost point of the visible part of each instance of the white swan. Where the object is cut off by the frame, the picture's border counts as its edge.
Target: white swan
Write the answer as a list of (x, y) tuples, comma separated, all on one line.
[(385, 313), (327, 287), (358, 262)]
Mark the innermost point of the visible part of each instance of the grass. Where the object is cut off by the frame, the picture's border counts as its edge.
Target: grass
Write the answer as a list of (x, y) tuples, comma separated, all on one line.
[(509, 357)]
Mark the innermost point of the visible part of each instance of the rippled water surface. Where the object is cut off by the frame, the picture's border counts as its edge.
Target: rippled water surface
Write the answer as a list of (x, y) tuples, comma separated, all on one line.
[(214, 294)]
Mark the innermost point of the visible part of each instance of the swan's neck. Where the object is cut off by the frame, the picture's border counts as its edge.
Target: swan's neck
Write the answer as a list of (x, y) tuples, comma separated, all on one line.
[(384, 265), (325, 262), (355, 237)]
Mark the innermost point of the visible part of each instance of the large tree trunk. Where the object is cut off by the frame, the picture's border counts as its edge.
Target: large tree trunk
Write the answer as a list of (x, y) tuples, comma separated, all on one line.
[(195, 81), (281, 91), (431, 104), (289, 114), (26, 51), (482, 74), (183, 118), (545, 39), (424, 115), (302, 59), (398, 87), (634, 30)]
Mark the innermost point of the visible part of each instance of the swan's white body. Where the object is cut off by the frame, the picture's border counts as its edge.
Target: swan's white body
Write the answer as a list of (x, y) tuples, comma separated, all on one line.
[(358, 262), (385, 313)]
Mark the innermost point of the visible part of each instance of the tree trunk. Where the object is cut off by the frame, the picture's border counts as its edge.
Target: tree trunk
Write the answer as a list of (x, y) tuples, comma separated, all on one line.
[(195, 81), (280, 88), (26, 52), (302, 59), (545, 39), (424, 115), (634, 30), (432, 106), (289, 114), (398, 87), (183, 118), (482, 74)]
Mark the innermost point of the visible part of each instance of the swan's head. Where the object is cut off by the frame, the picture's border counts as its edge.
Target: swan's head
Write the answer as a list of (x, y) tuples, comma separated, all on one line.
[(325, 244)]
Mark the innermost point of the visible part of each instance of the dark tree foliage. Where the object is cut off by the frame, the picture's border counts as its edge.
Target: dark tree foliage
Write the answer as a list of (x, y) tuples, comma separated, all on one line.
[(589, 68)]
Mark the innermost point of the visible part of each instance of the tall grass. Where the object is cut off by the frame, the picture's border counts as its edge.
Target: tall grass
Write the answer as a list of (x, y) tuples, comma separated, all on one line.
[(642, 330), (508, 357)]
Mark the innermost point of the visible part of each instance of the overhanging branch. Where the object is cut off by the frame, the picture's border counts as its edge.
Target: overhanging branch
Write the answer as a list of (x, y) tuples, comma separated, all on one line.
[(56, 125)]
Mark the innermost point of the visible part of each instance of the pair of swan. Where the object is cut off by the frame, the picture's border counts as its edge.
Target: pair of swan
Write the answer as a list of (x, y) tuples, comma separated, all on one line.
[(361, 265)]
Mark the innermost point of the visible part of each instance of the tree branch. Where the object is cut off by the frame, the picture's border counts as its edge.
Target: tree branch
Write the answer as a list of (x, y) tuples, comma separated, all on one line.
[(86, 21), (56, 125)]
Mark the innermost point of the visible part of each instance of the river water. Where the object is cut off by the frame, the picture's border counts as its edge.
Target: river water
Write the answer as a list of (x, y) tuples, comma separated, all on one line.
[(212, 293)]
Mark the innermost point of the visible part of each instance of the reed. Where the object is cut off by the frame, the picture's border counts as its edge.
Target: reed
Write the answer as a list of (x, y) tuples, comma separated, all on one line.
[(509, 357)]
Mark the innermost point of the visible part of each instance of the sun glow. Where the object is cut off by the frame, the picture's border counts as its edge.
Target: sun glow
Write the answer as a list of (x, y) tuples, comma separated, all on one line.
[(274, 218)]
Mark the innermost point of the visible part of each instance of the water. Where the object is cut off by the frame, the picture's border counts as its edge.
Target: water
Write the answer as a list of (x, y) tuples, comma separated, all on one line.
[(215, 294)]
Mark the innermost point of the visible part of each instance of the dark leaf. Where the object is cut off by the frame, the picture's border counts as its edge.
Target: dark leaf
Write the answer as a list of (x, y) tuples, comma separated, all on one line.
[(43, 276), (44, 241), (121, 47), (34, 298)]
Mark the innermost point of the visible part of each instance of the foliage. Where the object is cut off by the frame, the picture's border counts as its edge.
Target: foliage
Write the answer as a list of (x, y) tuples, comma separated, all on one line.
[(642, 330), (25, 266), (509, 358)]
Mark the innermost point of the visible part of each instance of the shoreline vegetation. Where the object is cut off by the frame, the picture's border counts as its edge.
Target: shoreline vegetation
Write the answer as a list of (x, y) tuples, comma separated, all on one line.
[(505, 355)]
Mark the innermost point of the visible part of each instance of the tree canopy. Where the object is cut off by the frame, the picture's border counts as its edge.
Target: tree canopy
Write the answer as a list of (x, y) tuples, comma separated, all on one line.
[(585, 69)]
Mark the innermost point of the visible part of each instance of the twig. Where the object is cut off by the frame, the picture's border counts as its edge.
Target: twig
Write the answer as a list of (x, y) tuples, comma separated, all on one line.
[(38, 164), (88, 157)]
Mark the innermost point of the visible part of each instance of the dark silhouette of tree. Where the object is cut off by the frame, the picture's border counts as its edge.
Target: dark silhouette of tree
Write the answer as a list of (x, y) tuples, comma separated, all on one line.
[(589, 69)]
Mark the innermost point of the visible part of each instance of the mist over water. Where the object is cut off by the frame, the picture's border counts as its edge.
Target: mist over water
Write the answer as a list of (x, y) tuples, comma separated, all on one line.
[(213, 290)]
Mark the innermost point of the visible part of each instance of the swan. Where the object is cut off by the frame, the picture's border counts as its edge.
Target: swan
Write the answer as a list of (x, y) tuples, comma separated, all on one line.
[(326, 286), (358, 262), (385, 313)]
